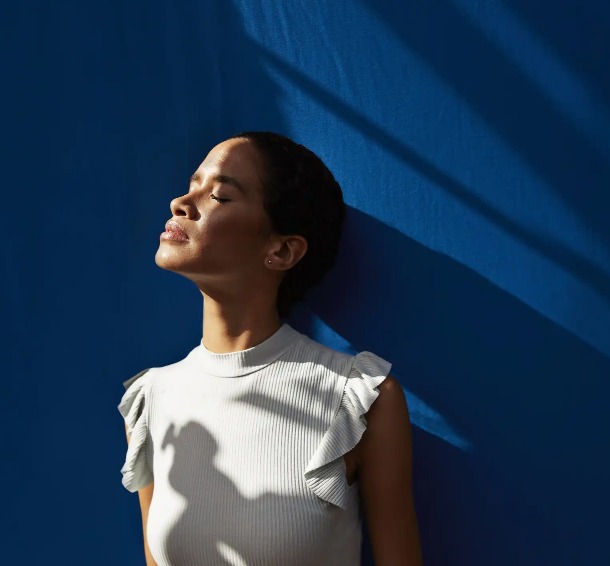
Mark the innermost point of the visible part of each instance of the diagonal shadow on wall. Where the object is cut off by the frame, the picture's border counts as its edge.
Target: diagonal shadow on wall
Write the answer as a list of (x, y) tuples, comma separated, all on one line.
[(509, 102), (578, 265), (578, 32), (529, 397)]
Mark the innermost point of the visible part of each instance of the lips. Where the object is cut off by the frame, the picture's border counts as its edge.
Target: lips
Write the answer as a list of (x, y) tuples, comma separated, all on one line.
[(174, 231)]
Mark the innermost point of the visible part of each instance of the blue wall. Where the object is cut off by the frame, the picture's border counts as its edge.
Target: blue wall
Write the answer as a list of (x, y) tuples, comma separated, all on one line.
[(472, 141)]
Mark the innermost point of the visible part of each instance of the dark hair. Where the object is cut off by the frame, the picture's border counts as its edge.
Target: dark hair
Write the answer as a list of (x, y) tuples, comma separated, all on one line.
[(301, 196)]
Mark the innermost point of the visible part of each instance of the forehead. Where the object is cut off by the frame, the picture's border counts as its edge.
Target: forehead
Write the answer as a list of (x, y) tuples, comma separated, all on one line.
[(236, 158)]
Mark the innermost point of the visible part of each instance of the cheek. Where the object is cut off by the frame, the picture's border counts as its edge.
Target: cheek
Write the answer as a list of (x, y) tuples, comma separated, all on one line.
[(244, 230), (240, 239), (221, 243)]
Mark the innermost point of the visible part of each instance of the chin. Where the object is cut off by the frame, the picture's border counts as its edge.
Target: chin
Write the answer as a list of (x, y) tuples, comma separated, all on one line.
[(182, 264), (165, 259)]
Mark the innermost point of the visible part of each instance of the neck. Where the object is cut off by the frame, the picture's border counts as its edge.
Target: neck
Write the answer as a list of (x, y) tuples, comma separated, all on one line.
[(234, 326)]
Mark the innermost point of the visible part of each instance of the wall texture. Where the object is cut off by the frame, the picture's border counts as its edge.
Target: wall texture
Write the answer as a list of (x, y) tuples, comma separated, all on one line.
[(472, 141)]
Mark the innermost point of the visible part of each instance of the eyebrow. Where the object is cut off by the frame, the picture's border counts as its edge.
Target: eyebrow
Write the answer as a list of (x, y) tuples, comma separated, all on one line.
[(196, 178)]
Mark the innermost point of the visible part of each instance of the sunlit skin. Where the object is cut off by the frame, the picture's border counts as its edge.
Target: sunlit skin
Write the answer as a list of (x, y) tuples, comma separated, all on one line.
[(229, 248), (237, 262)]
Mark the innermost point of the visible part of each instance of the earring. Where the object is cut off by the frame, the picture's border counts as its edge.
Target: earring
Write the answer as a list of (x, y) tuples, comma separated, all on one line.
[(268, 261)]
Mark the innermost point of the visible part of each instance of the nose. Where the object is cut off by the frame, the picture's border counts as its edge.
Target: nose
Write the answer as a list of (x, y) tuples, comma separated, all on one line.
[(182, 206)]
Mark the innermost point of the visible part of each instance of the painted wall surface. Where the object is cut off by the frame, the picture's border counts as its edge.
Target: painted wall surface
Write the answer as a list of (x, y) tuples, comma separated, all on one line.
[(472, 141)]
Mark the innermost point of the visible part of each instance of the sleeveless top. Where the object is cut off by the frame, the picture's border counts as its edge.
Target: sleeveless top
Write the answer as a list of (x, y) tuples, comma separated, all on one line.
[(246, 452)]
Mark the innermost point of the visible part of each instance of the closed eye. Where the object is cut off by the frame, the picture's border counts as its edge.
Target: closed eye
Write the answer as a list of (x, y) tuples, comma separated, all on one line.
[(219, 199)]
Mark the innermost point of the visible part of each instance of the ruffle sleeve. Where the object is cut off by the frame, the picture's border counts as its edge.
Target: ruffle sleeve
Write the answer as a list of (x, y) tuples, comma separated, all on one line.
[(136, 470), (325, 472)]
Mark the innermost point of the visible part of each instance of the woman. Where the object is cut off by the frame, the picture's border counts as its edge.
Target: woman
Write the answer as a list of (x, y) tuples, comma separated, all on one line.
[(262, 446)]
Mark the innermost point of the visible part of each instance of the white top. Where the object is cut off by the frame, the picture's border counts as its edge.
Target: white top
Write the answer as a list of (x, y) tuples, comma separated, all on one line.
[(246, 452)]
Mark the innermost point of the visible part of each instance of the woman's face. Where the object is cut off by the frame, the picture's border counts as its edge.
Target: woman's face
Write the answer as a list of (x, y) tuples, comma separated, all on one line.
[(210, 240)]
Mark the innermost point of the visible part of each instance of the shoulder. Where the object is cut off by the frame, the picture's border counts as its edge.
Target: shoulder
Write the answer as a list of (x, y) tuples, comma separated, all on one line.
[(319, 355), (129, 382), (388, 423), (391, 397), (390, 407)]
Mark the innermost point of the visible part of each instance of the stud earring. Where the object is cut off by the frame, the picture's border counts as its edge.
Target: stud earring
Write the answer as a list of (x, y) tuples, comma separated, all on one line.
[(269, 261)]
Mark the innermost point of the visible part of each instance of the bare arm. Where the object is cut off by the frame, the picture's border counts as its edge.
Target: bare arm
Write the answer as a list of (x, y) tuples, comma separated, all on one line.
[(145, 495), (385, 478)]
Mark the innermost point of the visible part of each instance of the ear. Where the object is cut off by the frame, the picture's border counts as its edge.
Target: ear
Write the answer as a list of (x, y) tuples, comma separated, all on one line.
[(287, 252)]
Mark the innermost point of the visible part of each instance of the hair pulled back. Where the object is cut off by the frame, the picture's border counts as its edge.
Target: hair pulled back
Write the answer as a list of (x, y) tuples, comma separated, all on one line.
[(301, 196)]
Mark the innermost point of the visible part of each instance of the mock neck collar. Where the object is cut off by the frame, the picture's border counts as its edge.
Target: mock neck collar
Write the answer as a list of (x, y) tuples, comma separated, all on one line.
[(243, 362)]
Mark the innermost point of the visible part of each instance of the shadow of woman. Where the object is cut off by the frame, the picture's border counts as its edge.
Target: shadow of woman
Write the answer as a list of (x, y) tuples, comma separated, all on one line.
[(217, 524)]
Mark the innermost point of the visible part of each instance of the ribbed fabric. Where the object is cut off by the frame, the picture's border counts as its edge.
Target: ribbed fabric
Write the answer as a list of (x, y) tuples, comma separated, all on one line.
[(246, 452)]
